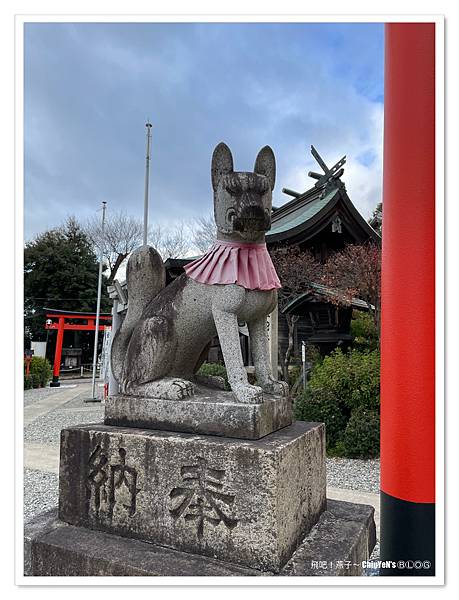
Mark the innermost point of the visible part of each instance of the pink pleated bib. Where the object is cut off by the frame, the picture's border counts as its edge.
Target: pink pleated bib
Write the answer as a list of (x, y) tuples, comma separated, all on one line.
[(247, 265)]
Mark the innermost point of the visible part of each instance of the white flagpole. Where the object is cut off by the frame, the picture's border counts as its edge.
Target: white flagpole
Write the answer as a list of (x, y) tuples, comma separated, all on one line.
[(99, 293), (147, 181)]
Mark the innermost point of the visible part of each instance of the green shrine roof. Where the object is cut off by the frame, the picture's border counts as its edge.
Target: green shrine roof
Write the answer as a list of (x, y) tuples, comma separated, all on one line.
[(308, 213), (327, 202), (292, 219)]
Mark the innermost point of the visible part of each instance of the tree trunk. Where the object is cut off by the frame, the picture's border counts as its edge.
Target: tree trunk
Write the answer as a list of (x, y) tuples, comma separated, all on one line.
[(291, 321), (116, 266)]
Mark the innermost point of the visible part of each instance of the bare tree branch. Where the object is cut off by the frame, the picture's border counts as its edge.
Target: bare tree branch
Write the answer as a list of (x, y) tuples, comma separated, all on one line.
[(297, 269), (122, 235), (155, 236), (355, 271), (172, 242), (203, 232)]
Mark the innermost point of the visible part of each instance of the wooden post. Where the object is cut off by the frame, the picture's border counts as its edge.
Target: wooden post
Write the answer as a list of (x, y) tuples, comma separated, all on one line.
[(303, 360)]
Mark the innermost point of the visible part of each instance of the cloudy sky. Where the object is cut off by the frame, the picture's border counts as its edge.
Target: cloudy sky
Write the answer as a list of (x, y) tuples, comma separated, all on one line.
[(89, 89)]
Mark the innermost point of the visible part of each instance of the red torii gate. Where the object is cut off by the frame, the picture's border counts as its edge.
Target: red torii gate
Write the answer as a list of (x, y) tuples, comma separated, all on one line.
[(65, 320)]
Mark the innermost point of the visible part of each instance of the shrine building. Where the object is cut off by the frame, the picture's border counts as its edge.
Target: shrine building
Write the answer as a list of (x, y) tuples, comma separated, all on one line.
[(322, 220)]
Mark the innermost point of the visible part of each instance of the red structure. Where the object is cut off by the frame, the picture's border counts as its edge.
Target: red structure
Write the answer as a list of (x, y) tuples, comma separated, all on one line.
[(73, 321), (28, 355), (408, 301)]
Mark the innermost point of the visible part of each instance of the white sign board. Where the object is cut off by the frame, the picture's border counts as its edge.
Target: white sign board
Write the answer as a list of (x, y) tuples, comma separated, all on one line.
[(39, 348)]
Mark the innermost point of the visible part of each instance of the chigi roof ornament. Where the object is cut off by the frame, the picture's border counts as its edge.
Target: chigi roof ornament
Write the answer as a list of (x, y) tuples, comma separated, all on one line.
[(334, 173), (328, 174)]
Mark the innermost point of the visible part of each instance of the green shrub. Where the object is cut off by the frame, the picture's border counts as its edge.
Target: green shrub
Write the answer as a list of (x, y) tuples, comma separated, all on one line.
[(353, 377), (214, 369), (313, 355), (27, 382), (218, 370), (342, 388), (36, 380), (294, 373), (41, 369), (323, 406), (361, 437), (364, 331)]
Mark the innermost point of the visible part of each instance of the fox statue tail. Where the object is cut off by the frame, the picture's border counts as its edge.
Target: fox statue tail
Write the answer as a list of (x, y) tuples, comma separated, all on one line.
[(146, 277)]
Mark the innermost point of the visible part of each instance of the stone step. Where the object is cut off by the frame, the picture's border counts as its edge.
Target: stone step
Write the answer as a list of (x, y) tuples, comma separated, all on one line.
[(337, 545)]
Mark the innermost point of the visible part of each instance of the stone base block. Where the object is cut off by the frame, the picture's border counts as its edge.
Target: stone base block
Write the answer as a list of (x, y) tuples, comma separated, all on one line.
[(209, 411), (337, 545), (241, 501)]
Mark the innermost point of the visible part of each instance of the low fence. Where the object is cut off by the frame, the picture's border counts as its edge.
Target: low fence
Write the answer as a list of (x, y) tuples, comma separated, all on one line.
[(82, 372)]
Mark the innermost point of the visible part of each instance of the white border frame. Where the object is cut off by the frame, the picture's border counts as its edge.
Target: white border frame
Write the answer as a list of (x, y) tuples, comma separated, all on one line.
[(438, 579)]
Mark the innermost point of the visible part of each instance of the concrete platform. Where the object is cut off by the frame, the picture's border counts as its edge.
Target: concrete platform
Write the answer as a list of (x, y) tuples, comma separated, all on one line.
[(337, 545), (209, 412)]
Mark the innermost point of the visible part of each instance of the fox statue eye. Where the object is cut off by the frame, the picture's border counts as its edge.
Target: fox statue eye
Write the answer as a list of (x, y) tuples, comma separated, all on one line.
[(262, 185), (233, 186), (234, 190)]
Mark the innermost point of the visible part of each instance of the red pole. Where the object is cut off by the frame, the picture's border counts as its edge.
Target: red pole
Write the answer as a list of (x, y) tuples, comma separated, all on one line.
[(408, 301), (58, 353)]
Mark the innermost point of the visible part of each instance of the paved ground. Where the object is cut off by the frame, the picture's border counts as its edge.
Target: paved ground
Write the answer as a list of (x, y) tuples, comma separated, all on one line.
[(48, 410)]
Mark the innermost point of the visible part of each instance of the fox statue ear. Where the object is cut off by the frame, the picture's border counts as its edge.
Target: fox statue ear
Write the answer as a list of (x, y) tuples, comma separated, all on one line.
[(266, 165), (222, 163)]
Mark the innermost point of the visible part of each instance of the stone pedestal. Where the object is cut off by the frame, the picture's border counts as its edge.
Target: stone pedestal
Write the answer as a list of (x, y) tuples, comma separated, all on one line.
[(245, 502), (209, 411), (248, 501)]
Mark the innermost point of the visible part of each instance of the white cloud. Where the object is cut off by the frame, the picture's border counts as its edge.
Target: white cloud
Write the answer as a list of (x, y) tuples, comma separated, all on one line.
[(89, 89), (355, 130)]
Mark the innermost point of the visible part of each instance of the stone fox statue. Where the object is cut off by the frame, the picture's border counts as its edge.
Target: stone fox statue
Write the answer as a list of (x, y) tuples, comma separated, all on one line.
[(167, 330)]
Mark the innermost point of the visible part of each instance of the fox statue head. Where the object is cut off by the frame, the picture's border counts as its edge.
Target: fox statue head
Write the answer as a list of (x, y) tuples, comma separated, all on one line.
[(242, 200)]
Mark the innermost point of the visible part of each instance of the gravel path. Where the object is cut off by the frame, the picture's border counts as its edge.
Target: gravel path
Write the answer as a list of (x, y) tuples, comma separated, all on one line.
[(47, 429), (353, 474), (31, 396), (40, 492)]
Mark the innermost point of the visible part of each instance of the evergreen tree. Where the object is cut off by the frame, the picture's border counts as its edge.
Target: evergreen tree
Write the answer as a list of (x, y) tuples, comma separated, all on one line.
[(60, 272), (376, 218)]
